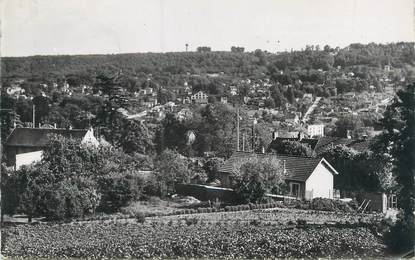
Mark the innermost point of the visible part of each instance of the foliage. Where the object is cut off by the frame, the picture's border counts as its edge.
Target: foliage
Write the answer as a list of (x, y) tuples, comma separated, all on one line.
[(96, 240), (9, 195), (345, 124), (110, 116), (211, 167), (136, 137), (72, 180), (117, 190), (397, 143), (171, 168), (295, 148), (359, 171), (254, 177)]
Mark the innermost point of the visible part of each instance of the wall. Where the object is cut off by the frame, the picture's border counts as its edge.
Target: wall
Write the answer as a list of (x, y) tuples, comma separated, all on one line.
[(12, 152), (28, 158), (205, 193), (320, 182)]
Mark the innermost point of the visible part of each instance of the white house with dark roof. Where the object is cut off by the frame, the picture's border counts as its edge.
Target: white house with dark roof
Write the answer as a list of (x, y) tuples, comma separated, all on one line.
[(25, 146), (307, 177)]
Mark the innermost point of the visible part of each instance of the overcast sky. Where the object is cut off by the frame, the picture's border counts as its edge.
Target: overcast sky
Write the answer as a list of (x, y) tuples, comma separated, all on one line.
[(32, 27)]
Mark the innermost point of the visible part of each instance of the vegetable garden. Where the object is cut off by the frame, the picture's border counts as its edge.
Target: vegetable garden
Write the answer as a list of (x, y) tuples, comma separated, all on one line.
[(248, 234)]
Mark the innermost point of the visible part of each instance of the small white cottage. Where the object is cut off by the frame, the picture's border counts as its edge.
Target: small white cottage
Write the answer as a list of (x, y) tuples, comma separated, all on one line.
[(307, 177)]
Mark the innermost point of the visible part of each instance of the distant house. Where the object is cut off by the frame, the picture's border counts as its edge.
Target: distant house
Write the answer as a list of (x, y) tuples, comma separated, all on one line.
[(199, 98), (25, 145), (278, 138), (306, 177), (233, 90), (14, 90), (315, 130), (148, 102), (224, 100)]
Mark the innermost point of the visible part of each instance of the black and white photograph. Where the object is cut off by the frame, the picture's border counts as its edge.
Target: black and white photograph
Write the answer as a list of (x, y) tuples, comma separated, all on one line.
[(207, 129)]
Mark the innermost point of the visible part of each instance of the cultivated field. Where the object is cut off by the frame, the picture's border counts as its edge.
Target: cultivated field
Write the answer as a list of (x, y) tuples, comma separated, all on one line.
[(248, 234), (279, 216)]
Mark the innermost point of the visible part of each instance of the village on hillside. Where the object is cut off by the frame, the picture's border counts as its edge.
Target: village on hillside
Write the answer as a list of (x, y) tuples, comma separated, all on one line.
[(208, 130)]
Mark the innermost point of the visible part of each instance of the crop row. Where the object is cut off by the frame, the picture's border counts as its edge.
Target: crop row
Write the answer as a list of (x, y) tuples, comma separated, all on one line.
[(285, 215), (119, 240)]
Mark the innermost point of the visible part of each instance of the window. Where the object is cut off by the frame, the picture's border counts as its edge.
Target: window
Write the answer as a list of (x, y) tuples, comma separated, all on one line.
[(295, 189)]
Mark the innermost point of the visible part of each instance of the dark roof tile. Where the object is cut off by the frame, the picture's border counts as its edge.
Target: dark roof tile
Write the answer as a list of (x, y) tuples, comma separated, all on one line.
[(38, 137), (298, 168)]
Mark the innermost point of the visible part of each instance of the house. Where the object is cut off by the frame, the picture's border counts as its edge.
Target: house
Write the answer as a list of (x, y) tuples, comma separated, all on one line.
[(315, 130), (148, 102), (224, 100), (24, 145), (278, 138), (15, 90), (233, 90), (199, 98), (306, 177)]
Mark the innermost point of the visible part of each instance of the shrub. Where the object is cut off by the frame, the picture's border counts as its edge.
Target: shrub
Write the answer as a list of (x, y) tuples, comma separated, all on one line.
[(118, 190), (301, 222), (401, 236), (140, 217), (191, 221), (255, 222)]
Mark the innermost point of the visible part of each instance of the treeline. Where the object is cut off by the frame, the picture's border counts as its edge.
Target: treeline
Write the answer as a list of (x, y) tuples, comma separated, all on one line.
[(234, 62)]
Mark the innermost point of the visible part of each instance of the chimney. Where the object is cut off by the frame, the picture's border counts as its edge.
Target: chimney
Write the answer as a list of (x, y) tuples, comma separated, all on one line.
[(263, 149), (54, 125)]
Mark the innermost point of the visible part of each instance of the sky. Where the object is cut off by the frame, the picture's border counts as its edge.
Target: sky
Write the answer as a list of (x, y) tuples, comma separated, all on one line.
[(43, 27)]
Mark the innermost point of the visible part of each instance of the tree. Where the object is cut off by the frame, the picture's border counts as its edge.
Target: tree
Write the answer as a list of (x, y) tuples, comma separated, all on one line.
[(203, 49), (398, 142), (255, 176), (277, 96), (171, 168), (366, 170), (291, 148), (345, 124), (211, 167), (41, 108), (110, 115), (136, 137), (237, 49)]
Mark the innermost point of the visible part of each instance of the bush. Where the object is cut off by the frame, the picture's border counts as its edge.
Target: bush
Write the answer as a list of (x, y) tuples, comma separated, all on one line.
[(301, 222), (330, 205), (401, 236), (255, 222), (140, 217), (191, 221), (118, 190)]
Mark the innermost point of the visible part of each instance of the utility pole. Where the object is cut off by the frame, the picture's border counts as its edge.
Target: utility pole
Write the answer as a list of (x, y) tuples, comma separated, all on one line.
[(237, 129), (253, 134), (243, 141), (33, 117)]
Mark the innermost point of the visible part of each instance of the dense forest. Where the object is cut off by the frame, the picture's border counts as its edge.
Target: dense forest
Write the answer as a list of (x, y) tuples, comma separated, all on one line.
[(165, 66)]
